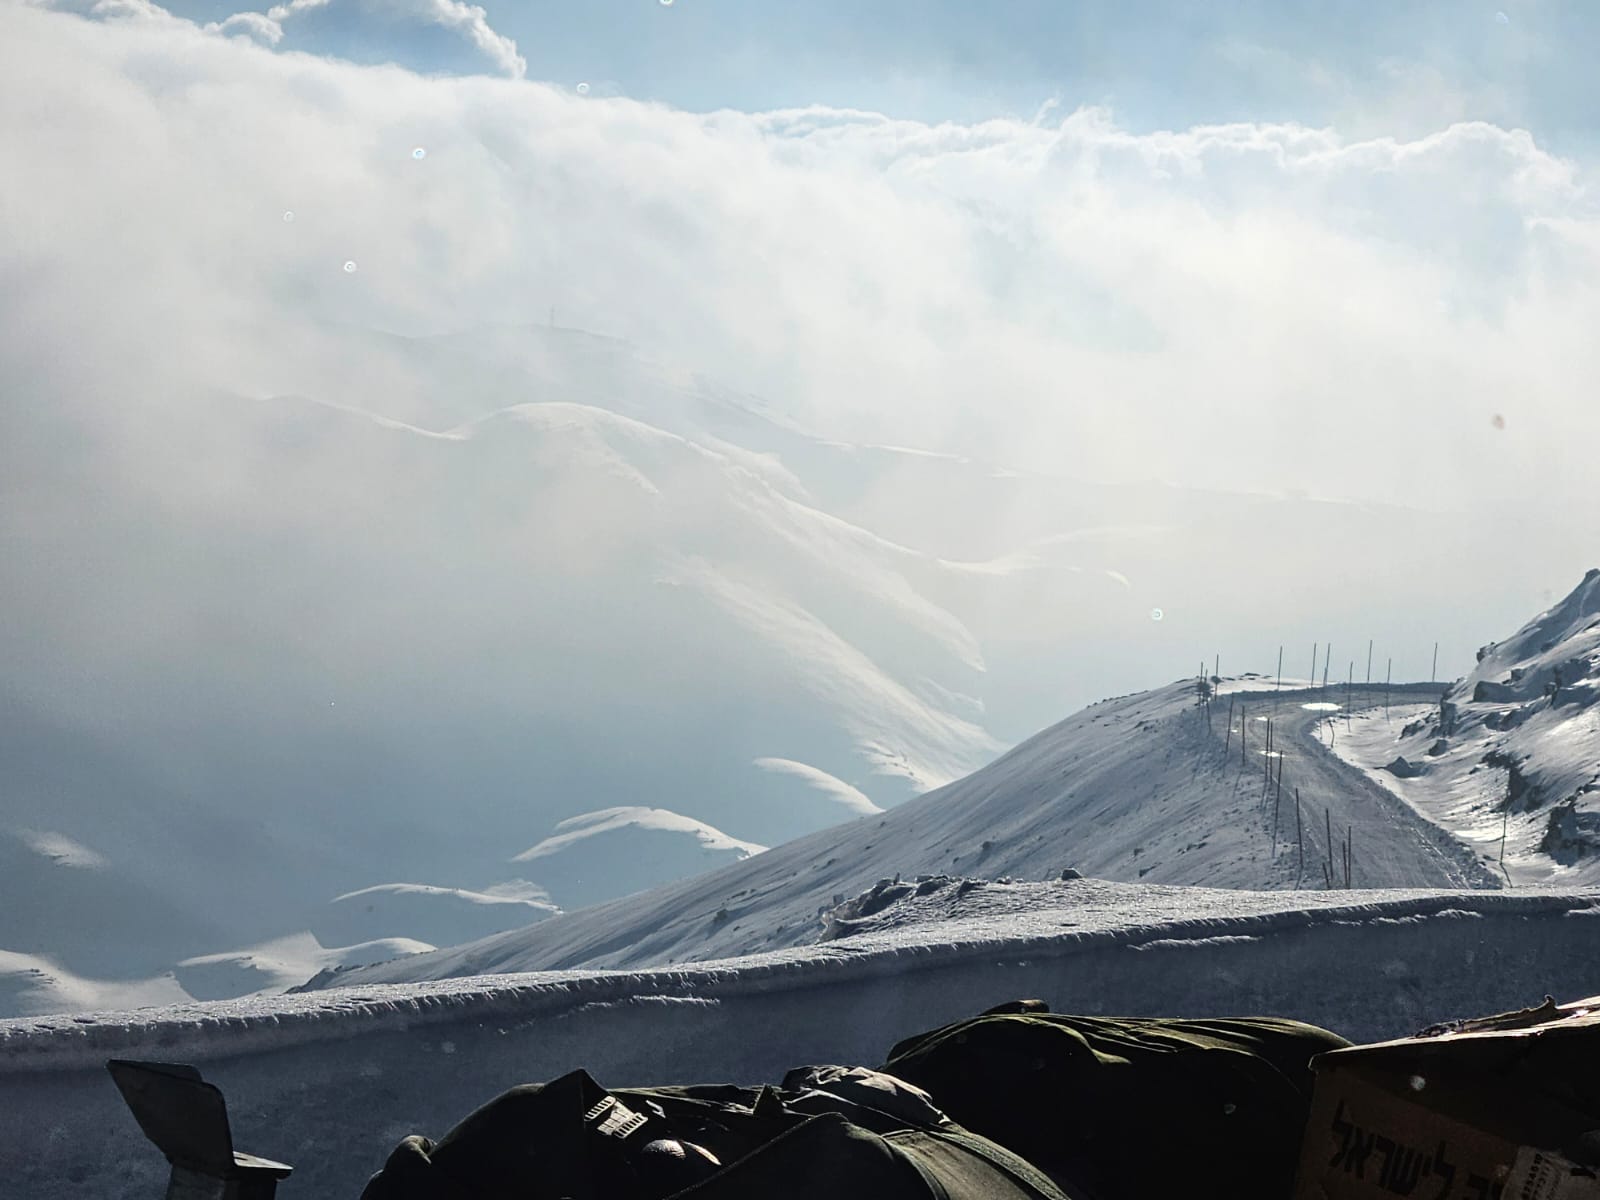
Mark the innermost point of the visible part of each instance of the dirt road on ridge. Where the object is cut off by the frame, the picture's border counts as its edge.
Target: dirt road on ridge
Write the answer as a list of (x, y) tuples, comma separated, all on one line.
[(1393, 845)]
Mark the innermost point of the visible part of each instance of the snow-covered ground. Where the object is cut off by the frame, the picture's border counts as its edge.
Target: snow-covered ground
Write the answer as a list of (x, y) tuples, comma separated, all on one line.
[(1509, 762), (329, 1081)]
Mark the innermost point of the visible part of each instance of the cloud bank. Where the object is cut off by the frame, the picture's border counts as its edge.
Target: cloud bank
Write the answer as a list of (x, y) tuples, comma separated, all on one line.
[(1068, 294)]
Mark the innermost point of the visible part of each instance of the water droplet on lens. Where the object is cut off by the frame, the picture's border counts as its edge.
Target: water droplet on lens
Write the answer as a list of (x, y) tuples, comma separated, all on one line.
[(583, 89), (1156, 614), (666, 3), (1498, 421), (1502, 18), (349, 267), (1418, 1083), (288, 217), (419, 152)]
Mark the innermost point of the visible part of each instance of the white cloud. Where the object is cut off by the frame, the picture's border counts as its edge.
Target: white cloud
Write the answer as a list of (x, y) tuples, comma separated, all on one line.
[(472, 22), (143, 10), (1074, 295), (262, 27), (468, 21), (282, 12)]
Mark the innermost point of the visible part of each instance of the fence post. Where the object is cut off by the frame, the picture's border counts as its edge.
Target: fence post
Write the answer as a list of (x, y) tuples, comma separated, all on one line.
[(1277, 805), (1327, 814), (1299, 837)]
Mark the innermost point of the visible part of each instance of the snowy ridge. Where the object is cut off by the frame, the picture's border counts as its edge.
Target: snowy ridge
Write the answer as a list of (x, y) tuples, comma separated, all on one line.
[(1135, 788), (1026, 927)]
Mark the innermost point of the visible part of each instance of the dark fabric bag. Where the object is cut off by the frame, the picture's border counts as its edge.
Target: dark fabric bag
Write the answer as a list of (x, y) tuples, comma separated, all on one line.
[(1127, 1108), (869, 1139)]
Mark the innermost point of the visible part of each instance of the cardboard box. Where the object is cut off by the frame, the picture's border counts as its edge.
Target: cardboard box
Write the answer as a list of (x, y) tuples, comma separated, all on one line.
[(1494, 1109)]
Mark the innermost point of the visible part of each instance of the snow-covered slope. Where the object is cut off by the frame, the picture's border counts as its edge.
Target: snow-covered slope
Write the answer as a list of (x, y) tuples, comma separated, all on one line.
[(376, 1064), (1510, 758), (1137, 788), (589, 857)]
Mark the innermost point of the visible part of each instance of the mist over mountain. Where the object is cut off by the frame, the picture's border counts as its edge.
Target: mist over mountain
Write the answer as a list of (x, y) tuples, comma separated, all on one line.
[(396, 624)]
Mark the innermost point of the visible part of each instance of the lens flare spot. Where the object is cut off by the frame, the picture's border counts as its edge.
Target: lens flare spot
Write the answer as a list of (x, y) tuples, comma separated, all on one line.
[(349, 266), (419, 153)]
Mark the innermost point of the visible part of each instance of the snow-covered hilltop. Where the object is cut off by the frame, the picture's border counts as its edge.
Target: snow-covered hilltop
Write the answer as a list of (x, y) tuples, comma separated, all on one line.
[(1510, 758), (1140, 788)]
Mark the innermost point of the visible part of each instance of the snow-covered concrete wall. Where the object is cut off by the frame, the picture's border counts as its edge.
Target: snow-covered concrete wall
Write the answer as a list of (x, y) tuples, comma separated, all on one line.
[(329, 1081)]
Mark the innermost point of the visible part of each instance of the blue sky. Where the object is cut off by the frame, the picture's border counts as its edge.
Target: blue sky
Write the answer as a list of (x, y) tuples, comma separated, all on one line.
[(1157, 65)]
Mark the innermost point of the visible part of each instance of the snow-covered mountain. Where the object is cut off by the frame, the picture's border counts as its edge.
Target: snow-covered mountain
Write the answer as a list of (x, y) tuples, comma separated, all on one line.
[(1510, 758), (1142, 788), (421, 596)]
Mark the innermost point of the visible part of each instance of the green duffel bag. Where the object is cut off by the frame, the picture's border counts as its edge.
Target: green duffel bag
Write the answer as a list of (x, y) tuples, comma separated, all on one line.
[(826, 1135), (1128, 1108)]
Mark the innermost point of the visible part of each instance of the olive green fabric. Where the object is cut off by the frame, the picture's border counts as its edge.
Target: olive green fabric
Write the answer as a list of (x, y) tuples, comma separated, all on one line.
[(531, 1143), (1125, 1108), (1017, 1104)]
